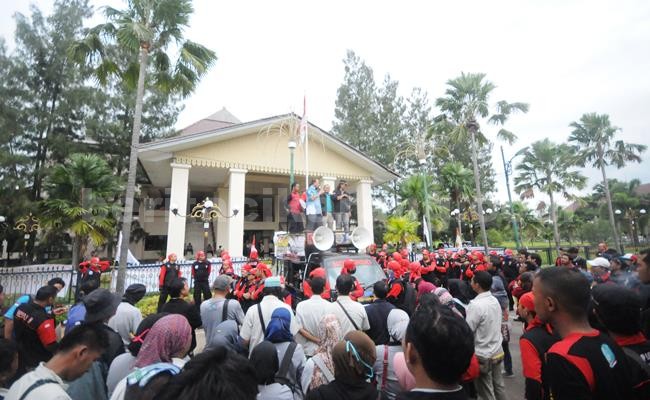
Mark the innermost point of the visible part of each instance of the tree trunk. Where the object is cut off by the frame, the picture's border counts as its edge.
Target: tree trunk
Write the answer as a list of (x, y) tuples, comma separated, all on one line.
[(477, 182), (556, 233), (75, 252), (459, 220), (612, 220), (133, 166)]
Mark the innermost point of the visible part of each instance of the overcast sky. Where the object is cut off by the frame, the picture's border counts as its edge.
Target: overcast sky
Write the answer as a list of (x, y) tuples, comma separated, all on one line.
[(565, 58)]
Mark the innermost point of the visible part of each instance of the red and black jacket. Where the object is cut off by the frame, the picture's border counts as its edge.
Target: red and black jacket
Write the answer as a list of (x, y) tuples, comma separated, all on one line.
[(592, 366), (534, 344), (35, 335), (168, 272), (201, 271)]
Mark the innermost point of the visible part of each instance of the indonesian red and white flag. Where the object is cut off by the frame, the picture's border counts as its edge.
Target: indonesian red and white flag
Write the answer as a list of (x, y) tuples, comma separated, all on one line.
[(303, 122)]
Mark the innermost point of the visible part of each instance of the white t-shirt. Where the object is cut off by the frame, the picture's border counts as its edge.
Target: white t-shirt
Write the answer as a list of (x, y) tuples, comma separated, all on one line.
[(49, 391), (484, 318), (251, 329), (356, 311), (309, 314), (125, 321)]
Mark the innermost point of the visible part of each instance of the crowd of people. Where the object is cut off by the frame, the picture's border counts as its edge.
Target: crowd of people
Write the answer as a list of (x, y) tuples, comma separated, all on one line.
[(438, 327)]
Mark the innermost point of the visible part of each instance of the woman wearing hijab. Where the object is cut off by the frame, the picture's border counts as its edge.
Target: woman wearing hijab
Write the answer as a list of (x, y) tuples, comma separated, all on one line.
[(168, 341), (354, 358), (265, 359), (319, 370), (460, 292), (387, 382), (124, 363), (291, 355)]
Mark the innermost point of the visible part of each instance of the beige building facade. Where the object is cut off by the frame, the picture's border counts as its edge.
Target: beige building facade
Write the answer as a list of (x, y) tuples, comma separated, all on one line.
[(244, 167)]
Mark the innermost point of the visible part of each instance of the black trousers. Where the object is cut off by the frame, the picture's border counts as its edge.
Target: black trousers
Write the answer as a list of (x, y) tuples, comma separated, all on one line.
[(201, 289), (164, 294)]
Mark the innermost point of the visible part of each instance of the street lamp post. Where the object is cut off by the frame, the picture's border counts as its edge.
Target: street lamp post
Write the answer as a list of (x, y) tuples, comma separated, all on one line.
[(292, 148), (423, 162), (507, 168), (27, 225), (456, 213), (206, 211), (632, 215), (472, 126)]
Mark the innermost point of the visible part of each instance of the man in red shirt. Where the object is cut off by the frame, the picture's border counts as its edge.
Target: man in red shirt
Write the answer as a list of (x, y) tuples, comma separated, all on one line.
[(584, 364), (533, 344), (295, 209)]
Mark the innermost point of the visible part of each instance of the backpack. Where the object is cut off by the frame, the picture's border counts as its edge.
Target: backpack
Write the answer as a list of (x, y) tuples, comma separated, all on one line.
[(282, 376)]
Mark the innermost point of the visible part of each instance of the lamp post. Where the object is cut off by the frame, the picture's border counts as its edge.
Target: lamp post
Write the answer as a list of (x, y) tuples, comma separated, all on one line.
[(423, 162), (456, 213), (206, 211), (507, 168), (292, 148), (632, 215), (27, 225)]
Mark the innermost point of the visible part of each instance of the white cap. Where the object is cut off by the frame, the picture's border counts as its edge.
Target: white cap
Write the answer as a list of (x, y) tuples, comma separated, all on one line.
[(599, 262)]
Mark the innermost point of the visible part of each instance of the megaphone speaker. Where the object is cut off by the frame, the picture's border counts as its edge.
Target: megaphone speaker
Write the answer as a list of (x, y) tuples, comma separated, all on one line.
[(361, 238), (323, 238)]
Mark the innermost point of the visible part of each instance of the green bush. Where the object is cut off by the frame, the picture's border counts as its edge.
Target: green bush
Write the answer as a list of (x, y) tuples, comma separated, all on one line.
[(148, 305)]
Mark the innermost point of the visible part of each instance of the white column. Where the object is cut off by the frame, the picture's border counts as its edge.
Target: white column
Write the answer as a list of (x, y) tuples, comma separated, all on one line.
[(236, 197), (222, 223), (364, 205), (176, 224)]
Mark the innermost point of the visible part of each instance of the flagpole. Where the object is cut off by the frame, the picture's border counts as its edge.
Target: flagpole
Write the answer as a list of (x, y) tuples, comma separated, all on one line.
[(306, 128)]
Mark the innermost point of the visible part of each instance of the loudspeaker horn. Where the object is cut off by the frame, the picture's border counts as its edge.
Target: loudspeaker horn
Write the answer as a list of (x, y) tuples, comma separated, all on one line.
[(323, 238), (361, 238)]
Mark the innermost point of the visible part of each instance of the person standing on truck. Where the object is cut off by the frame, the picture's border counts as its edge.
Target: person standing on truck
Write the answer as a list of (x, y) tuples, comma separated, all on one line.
[(313, 209), (342, 208), (295, 206)]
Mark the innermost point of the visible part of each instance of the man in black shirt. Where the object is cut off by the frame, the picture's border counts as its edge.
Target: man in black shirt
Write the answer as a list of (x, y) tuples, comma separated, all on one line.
[(201, 269), (584, 364), (178, 290), (617, 309), (378, 312), (34, 330), (438, 348)]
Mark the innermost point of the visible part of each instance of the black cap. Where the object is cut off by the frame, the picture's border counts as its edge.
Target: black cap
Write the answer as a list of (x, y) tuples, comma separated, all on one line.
[(100, 305)]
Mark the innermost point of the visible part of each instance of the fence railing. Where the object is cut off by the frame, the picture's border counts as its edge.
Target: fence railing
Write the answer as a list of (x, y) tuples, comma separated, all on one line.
[(17, 281)]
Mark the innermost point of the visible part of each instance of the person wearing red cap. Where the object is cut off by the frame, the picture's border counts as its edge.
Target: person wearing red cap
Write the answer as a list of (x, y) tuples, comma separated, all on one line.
[(92, 270), (440, 272), (349, 268), (400, 292), (534, 343), (201, 269), (318, 272), (169, 271)]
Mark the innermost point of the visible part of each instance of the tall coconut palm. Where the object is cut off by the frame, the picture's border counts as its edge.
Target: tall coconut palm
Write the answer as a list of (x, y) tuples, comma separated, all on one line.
[(81, 202), (466, 101), (595, 137), (151, 29), (546, 167), (457, 182)]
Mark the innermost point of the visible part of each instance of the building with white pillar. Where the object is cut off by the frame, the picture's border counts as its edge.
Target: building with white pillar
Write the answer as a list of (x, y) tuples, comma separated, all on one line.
[(243, 167)]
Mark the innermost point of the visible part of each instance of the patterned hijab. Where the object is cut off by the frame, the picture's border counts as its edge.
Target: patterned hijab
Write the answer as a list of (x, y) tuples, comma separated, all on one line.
[(169, 337), (329, 332)]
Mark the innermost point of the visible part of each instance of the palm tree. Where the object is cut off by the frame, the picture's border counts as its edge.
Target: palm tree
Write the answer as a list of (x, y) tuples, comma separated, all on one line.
[(81, 201), (412, 192), (546, 167), (594, 136), (148, 28), (466, 100), (457, 182), (401, 229)]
